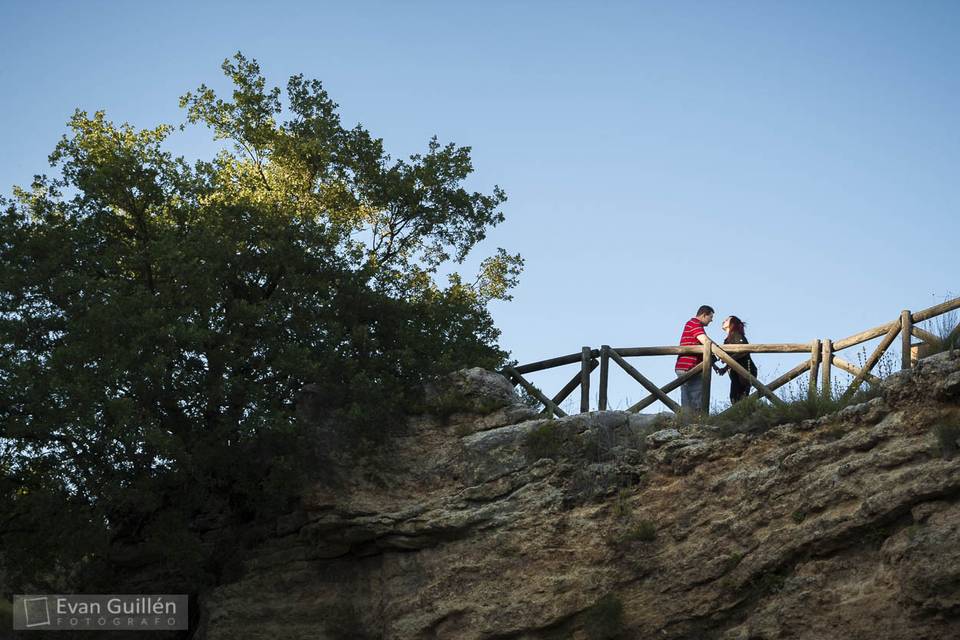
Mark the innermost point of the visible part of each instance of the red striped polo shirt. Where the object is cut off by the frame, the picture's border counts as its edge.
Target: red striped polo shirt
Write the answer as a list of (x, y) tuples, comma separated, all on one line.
[(691, 330)]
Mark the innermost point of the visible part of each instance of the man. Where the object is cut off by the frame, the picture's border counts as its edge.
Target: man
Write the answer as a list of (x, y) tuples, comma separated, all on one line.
[(691, 393)]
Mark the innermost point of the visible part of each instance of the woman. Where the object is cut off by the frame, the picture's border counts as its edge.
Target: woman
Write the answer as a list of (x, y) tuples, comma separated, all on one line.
[(739, 386)]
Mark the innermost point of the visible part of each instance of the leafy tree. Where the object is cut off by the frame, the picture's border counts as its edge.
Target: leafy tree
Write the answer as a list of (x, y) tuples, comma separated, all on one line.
[(157, 319)]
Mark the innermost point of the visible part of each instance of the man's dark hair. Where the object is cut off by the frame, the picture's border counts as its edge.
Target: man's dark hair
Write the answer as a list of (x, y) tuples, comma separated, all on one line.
[(704, 309)]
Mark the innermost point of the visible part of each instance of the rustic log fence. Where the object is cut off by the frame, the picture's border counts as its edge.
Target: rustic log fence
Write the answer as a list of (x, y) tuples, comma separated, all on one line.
[(822, 357)]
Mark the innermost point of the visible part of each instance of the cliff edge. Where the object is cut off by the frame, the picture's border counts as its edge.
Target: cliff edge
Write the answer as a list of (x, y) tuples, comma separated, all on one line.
[(484, 521)]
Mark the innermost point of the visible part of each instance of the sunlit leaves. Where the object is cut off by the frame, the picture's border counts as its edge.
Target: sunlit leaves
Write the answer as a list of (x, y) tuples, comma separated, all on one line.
[(407, 215)]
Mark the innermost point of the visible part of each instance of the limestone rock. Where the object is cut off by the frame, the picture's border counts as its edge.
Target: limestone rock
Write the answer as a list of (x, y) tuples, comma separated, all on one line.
[(663, 436), (488, 521)]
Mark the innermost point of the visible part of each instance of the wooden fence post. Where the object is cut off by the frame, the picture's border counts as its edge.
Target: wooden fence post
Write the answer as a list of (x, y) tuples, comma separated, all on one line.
[(825, 360), (667, 388), (604, 374), (536, 393), (814, 368), (585, 379), (706, 375), (873, 358), (642, 379), (736, 367), (906, 331), (572, 384)]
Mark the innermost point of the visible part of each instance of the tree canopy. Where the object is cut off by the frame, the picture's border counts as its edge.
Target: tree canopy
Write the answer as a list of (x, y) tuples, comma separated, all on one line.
[(158, 317)]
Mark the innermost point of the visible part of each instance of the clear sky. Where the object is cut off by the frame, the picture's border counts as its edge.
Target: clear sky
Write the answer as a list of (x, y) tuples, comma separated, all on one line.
[(793, 163)]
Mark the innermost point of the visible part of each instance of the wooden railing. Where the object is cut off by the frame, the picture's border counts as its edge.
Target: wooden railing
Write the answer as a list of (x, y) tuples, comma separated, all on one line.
[(822, 357)]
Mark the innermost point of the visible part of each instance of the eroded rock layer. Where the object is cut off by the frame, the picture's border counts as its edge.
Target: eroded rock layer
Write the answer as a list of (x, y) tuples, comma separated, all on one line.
[(490, 523)]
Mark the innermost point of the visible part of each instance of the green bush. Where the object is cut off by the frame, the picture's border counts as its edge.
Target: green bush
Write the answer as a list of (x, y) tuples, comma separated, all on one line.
[(528, 400), (757, 414), (604, 620), (946, 328), (767, 583), (448, 402), (621, 506), (544, 441), (947, 435), (643, 531)]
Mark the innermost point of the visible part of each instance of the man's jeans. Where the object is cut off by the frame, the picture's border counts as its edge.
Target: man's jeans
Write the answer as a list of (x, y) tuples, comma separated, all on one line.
[(691, 393)]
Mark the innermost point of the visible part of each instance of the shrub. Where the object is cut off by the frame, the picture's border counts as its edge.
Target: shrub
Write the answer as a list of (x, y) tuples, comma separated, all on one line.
[(626, 527), (946, 328), (756, 414), (604, 620), (543, 441), (621, 507), (448, 402), (643, 531), (947, 435), (527, 399), (771, 582)]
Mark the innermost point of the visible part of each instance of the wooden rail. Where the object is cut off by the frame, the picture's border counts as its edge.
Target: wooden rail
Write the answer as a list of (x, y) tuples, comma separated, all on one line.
[(819, 363)]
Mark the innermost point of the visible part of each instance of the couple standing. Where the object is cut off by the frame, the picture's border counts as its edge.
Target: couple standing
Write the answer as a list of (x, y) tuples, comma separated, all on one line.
[(694, 333)]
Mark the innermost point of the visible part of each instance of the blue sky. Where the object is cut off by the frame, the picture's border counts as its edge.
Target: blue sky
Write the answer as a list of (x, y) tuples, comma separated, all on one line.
[(792, 163)]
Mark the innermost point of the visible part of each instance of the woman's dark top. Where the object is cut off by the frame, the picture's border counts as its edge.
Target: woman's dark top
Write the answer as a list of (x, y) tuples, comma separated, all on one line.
[(743, 359), (739, 385)]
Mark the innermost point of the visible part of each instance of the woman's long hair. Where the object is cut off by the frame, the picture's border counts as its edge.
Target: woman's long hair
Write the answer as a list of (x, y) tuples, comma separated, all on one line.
[(737, 327)]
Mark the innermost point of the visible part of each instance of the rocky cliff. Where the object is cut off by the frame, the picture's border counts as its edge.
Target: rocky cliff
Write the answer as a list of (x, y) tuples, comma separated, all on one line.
[(482, 521)]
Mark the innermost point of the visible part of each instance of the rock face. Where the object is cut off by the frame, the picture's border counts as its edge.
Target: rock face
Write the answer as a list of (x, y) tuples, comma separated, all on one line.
[(492, 523)]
